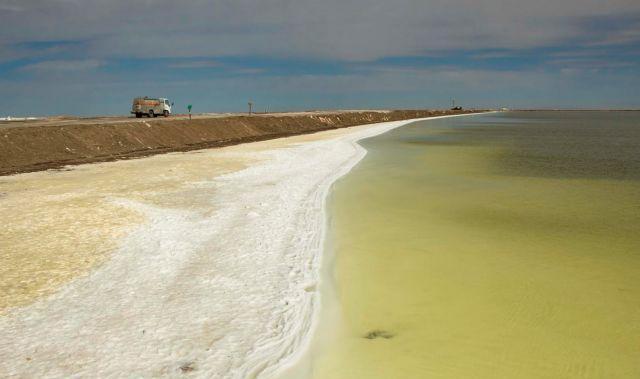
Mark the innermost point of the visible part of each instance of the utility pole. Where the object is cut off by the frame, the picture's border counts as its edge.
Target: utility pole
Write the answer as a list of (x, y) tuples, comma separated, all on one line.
[(250, 107)]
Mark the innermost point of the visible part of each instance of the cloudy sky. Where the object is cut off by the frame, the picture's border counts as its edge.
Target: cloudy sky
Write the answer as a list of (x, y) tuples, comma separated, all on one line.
[(93, 56)]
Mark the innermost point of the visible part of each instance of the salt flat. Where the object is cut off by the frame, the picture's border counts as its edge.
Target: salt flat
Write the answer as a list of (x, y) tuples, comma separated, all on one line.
[(208, 266)]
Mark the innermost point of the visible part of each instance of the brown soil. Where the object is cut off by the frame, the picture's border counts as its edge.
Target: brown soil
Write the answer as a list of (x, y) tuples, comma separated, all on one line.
[(39, 146)]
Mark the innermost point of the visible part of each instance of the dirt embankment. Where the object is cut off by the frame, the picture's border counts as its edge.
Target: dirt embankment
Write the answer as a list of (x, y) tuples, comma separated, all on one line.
[(27, 148)]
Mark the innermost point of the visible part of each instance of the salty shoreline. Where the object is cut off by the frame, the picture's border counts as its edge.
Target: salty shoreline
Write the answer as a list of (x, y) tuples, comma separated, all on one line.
[(297, 365), (223, 287)]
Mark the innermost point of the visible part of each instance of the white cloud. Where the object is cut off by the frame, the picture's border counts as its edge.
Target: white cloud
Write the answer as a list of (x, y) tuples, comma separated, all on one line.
[(332, 29), (63, 66), (619, 37), (10, 8)]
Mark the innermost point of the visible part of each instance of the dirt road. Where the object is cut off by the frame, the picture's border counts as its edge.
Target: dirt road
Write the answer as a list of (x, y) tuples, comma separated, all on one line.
[(55, 142), (73, 120)]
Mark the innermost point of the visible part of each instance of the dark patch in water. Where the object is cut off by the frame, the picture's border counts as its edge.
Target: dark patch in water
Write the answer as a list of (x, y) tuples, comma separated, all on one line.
[(379, 334), (566, 145), (433, 142), (599, 145)]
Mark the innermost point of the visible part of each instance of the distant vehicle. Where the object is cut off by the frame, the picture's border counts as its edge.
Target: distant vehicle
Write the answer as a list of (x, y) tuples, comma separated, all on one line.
[(458, 108), (146, 106)]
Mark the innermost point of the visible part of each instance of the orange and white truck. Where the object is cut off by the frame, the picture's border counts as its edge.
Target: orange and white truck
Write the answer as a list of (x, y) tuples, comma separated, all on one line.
[(151, 107)]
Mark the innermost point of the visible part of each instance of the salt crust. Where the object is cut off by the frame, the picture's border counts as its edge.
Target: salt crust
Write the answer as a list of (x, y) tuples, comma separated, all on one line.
[(225, 294)]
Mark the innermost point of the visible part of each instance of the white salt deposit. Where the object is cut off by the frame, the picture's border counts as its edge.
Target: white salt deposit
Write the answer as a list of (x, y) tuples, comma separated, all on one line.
[(226, 292), (9, 118)]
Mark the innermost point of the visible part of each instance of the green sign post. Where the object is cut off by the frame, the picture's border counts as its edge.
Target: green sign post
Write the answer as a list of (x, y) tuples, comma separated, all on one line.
[(189, 108)]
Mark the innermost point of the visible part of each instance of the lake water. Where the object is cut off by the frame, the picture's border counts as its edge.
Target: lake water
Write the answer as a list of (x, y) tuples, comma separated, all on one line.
[(495, 246)]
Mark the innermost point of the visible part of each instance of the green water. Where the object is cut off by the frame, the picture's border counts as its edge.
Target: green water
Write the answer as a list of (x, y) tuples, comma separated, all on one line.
[(494, 246)]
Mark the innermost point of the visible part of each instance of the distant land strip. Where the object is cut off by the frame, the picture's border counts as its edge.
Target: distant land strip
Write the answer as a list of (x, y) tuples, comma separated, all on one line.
[(26, 147)]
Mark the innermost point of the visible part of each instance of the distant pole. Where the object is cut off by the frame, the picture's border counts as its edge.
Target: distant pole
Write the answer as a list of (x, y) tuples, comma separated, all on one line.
[(250, 107), (453, 103), (189, 108)]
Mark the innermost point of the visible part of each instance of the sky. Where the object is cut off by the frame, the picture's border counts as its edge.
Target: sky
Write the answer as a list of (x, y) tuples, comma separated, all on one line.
[(91, 57)]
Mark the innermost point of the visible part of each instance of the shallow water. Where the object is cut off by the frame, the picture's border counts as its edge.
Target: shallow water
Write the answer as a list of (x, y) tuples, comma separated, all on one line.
[(492, 246)]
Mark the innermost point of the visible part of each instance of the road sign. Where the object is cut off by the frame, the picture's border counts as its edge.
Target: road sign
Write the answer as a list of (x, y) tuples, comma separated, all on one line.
[(189, 107)]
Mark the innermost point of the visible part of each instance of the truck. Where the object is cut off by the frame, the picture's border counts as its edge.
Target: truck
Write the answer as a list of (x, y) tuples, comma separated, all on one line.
[(151, 107)]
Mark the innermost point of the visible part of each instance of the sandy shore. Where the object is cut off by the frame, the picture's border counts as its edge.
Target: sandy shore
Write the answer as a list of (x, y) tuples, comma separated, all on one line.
[(202, 263)]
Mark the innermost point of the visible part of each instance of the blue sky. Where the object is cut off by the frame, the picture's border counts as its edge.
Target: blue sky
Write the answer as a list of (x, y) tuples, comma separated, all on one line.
[(91, 57)]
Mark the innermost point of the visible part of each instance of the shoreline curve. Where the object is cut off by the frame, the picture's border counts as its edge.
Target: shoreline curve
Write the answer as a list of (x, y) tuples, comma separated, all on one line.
[(226, 291)]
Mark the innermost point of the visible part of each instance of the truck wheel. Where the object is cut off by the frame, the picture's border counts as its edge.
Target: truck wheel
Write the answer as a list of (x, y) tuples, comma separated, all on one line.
[(138, 115), (165, 113), (151, 113)]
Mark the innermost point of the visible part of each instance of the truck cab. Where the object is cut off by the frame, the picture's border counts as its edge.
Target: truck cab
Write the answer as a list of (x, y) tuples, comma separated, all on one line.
[(151, 107)]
